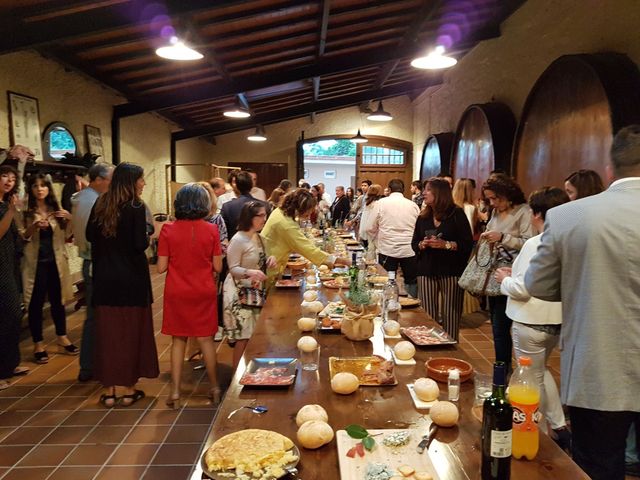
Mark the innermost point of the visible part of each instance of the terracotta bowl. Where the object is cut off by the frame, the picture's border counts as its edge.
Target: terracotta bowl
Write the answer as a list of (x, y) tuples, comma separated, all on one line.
[(438, 368)]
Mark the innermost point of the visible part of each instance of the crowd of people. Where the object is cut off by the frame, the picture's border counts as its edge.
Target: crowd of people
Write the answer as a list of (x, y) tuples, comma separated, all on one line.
[(228, 240)]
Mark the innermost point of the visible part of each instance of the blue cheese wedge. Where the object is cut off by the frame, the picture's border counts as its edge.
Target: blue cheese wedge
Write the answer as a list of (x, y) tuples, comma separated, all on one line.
[(397, 439), (378, 471)]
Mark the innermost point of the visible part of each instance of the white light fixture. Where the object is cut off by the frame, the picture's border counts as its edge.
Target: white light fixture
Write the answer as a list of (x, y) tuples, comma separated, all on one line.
[(177, 50), (435, 60), (258, 135), (359, 138), (380, 115), (237, 111)]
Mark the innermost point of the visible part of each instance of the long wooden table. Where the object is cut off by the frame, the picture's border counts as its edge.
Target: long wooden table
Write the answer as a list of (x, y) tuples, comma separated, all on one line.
[(455, 452)]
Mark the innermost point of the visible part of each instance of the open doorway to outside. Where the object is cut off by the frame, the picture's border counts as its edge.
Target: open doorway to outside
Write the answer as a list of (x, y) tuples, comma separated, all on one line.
[(330, 161)]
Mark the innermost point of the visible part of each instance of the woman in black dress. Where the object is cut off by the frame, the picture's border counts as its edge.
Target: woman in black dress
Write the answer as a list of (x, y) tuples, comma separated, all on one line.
[(10, 311), (122, 298), (442, 241)]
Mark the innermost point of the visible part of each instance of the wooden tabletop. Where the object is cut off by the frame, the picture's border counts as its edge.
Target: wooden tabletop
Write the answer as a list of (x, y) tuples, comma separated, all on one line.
[(455, 452)]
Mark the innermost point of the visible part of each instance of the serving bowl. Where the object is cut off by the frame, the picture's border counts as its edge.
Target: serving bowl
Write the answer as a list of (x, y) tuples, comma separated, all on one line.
[(438, 368)]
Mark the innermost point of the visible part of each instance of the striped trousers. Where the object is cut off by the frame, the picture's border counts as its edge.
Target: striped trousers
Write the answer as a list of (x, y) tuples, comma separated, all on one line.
[(441, 297)]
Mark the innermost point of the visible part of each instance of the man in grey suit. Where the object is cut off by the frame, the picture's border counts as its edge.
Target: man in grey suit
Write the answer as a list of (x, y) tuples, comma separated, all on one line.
[(589, 258)]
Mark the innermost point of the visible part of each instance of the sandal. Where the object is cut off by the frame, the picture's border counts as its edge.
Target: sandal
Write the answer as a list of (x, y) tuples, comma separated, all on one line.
[(133, 398), (19, 370), (173, 402), (4, 384), (70, 349), (108, 401), (215, 395), (41, 357)]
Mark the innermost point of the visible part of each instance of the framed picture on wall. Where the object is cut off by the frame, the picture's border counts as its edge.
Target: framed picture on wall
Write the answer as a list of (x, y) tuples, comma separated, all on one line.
[(24, 118), (94, 140)]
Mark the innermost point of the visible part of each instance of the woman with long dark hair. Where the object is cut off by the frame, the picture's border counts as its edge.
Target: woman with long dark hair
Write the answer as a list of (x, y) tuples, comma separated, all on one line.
[(9, 278), (45, 269), (248, 262), (583, 183), (122, 298), (508, 229), (442, 241), (189, 249)]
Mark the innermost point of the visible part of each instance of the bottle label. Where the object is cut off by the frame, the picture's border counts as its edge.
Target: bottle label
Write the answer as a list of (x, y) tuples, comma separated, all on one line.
[(500, 443), (525, 417)]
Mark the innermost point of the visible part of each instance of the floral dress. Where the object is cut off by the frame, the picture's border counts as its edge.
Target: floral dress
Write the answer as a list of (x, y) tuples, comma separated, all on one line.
[(245, 252)]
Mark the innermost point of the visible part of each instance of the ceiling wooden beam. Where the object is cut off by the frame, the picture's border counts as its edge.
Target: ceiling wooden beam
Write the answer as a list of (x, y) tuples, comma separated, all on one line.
[(19, 34), (306, 109), (322, 43), (427, 11), (324, 66)]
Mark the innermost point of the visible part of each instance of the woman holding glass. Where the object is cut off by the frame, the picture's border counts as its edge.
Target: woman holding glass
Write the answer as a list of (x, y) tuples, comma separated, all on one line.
[(442, 241)]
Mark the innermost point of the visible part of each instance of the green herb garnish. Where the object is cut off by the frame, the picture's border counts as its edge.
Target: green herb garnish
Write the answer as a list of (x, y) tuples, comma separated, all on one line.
[(359, 432)]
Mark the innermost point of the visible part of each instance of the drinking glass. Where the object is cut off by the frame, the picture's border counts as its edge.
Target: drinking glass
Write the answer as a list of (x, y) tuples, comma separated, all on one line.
[(310, 360), (482, 387)]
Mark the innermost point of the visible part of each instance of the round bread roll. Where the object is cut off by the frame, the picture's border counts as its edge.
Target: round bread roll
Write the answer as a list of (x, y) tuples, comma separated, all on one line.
[(314, 434), (306, 324), (311, 412), (344, 383), (426, 389), (444, 414), (391, 328), (323, 268), (404, 350), (311, 279), (307, 344), (310, 296)]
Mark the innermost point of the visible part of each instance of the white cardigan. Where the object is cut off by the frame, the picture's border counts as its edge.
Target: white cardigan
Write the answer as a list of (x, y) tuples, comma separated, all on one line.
[(521, 306)]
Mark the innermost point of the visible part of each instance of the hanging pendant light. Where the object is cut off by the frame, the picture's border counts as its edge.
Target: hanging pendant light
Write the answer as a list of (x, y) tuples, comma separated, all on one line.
[(177, 50), (435, 60), (380, 115), (359, 138), (258, 135), (237, 111)]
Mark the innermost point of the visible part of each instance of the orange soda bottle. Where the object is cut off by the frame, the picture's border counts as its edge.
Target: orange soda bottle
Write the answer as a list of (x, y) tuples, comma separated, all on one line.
[(524, 396)]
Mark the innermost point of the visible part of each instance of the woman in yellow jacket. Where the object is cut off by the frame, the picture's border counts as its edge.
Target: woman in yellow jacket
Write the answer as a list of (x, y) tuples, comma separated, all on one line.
[(282, 234), (45, 266)]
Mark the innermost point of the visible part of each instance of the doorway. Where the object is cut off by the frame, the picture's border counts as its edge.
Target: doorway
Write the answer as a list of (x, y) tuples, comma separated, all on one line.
[(330, 161), (269, 174), (379, 160)]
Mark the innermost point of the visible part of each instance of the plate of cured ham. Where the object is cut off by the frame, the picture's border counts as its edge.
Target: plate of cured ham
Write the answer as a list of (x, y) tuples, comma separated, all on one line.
[(270, 372), (425, 336)]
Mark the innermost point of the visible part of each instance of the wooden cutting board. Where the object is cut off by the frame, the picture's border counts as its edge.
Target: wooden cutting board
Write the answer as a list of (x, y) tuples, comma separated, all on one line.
[(393, 457)]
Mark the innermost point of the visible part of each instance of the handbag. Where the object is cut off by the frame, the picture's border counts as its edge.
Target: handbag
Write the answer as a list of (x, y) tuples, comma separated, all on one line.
[(254, 297), (477, 278)]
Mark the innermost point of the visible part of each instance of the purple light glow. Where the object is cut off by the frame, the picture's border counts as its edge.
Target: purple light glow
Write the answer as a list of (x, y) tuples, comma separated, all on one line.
[(167, 31)]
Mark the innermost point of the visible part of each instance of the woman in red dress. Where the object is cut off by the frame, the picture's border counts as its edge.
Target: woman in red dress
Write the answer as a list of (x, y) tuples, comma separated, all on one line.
[(190, 250)]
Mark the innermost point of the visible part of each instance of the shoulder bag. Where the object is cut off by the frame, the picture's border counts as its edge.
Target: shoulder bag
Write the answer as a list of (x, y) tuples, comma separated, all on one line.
[(477, 278), (254, 297)]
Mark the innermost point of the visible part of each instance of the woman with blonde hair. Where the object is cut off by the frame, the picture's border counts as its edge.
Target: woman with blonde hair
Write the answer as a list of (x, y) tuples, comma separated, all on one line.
[(125, 347), (215, 218), (45, 269), (276, 198), (463, 196)]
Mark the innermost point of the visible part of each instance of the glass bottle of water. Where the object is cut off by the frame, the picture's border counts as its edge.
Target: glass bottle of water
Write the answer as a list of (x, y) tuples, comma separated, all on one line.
[(390, 299)]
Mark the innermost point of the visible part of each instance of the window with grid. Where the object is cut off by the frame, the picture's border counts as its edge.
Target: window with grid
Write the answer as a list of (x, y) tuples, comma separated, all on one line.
[(382, 156)]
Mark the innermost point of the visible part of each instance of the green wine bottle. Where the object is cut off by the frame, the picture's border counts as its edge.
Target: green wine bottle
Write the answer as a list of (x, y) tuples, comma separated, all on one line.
[(496, 429)]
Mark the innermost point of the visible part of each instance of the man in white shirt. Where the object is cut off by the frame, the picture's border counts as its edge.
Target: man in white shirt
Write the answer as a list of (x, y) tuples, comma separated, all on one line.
[(226, 197), (256, 192), (323, 193), (394, 223), (82, 203)]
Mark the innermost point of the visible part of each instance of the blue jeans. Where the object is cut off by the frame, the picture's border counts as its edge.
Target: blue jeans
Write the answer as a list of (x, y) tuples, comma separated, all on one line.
[(86, 352), (631, 454), (501, 326)]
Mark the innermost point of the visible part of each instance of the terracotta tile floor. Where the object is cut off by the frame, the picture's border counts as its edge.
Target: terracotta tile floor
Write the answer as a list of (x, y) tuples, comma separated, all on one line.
[(52, 427)]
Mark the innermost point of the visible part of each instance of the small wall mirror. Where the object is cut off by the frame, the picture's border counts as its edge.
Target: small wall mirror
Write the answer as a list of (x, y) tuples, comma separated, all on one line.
[(58, 140)]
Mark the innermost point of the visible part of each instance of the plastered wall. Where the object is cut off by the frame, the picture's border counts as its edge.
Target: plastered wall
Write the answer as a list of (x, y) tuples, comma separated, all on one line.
[(76, 100), (505, 69)]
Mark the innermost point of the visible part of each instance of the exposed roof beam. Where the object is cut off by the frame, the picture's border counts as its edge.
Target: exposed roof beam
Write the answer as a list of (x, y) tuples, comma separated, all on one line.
[(306, 109), (324, 66), (322, 43), (427, 11), (19, 34)]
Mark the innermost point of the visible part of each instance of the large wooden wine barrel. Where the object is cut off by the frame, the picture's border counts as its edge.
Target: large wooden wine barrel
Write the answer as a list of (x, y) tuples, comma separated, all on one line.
[(571, 115), (436, 155), (483, 142)]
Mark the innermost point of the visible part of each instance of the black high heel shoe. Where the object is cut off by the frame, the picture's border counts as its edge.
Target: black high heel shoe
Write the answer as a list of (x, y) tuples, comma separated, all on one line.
[(70, 349)]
